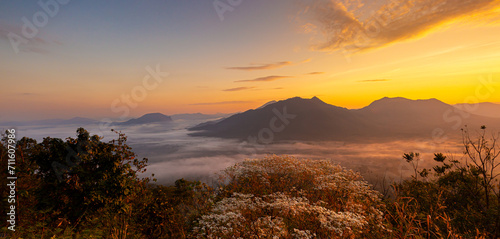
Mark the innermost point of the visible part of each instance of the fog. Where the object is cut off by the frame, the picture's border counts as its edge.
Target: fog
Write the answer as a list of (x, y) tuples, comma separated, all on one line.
[(173, 154)]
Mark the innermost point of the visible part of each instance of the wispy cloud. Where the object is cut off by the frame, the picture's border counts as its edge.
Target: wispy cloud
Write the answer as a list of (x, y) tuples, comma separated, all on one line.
[(239, 89), (345, 24), (375, 80), (223, 103), (265, 79), (261, 66), (315, 73), (276, 65), (27, 94), (36, 44)]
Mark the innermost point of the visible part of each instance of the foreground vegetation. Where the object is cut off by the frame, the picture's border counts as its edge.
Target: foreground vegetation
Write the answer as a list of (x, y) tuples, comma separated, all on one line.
[(86, 188)]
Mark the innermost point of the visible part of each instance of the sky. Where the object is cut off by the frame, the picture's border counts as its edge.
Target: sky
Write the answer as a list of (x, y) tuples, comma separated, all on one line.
[(119, 59)]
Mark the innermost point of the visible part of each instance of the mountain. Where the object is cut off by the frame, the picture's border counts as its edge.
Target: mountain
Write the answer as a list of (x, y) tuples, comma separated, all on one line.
[(79, 121), (400, 117), (313, 119), (73, 121), (198, 116), (484, 109), (295, 118), (266, 104), (147, 119)]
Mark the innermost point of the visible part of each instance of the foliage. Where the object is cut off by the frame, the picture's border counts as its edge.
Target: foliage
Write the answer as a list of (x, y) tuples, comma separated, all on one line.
[(85, 188), (289, 197), (461, 198)]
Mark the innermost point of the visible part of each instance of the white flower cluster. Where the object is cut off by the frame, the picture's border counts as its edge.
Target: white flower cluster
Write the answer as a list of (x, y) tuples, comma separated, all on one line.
[(285, 197), (243, 215)]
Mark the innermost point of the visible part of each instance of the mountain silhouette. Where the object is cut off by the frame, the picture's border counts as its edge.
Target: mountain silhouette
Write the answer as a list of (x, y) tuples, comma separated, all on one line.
[(73, 121), (147, 119), (313, 119), (484, 109)]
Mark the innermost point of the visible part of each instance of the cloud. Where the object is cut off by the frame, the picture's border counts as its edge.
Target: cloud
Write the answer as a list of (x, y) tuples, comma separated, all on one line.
[(375, 80), (315, 73), (223, 103), (345, 24), (27, 94), (239, 88), (264, 79), (269, 66), (261, 66), (36, 44)]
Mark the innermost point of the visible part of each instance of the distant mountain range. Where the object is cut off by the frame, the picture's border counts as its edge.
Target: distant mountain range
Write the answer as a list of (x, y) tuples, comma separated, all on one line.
[(313, 119), (145, 119), (148, 119), (483, 109), (49, 122), (198, 116)]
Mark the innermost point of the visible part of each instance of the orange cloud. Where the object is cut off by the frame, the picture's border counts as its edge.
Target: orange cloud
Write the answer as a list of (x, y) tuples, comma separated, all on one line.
[(315, 73), (266, 78), (345, 24), (375, 80), (261, 66), (224, 103), (239, 88)]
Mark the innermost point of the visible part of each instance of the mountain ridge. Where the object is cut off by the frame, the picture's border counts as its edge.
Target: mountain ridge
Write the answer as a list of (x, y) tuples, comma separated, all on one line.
[(147, 119), (316, 120)]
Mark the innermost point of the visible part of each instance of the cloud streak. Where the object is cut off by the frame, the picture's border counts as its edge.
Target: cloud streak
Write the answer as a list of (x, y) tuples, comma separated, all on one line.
[(239, 89), (264, 79), (344, 24), (375, 80), (261, 66), (315, 73), (35, 45), (223, 103)]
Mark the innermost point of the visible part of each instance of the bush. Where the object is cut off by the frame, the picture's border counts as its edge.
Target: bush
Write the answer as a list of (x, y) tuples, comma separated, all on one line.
[(288, 197), (461, 198)]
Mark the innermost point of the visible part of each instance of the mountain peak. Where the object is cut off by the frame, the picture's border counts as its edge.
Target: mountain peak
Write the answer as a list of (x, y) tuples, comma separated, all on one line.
[(403, 100), (148, 115), (316, 99), (400, 104), (148, 118)]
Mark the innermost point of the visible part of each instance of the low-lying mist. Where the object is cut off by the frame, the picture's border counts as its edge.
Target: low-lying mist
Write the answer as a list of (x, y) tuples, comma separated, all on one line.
[(173, 154)]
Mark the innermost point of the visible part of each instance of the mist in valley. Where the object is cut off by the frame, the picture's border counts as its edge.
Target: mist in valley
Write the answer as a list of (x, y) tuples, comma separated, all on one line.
[(173, 154)]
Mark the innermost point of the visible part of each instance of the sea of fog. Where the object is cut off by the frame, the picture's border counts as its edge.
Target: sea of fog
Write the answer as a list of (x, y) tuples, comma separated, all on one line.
[(173, 154)]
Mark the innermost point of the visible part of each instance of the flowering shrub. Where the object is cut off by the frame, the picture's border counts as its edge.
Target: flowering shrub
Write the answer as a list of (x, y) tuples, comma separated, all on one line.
[(285, 197)]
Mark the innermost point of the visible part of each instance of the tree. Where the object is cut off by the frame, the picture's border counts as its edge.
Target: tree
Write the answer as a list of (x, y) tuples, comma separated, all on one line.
[(79, 177)]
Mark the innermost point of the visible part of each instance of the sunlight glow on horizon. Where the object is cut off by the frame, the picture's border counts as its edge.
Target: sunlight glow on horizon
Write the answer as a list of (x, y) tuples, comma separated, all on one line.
[(232, 65)]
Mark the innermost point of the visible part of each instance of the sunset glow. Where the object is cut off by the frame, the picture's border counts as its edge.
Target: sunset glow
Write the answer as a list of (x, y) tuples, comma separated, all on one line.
[(89, 54)]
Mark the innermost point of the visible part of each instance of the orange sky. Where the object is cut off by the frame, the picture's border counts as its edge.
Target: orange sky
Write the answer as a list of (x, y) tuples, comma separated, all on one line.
[(348, 53)]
